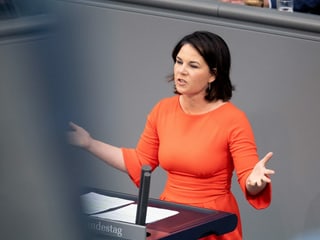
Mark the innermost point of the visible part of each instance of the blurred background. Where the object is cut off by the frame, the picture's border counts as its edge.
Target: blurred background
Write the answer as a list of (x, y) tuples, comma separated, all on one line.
[(39, 195)]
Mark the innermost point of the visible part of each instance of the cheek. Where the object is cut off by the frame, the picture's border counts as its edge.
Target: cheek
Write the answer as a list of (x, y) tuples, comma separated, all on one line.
[(201, 78), (207, 78), (176, 68)]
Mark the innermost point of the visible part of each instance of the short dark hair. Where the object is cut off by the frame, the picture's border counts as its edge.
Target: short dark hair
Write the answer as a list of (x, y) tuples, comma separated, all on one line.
[(216, 54)]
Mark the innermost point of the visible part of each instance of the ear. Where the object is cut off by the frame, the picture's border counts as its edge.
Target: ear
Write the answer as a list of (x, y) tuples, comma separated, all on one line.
[(213, 75)]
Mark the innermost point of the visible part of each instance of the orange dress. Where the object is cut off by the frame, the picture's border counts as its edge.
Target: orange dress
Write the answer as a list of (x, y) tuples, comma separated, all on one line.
[(199, 153)]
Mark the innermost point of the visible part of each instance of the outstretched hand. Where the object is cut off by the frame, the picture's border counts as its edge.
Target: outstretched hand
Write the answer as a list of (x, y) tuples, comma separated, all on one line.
[(259, 176), (78, 136)]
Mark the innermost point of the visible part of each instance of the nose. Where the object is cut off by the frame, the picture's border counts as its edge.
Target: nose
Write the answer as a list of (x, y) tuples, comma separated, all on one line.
[(182, 69)]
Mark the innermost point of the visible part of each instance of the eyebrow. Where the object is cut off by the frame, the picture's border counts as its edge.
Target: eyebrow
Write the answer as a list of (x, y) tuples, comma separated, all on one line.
[(192, 62)]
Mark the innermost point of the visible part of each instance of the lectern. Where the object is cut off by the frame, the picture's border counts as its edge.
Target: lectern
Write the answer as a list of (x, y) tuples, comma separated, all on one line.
[(190, 222)]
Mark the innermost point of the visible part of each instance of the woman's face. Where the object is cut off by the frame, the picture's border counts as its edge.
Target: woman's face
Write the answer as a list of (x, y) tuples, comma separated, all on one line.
[(191, 72)]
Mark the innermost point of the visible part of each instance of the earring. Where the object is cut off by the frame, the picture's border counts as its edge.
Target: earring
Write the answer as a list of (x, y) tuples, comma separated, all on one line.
[(209, 86)]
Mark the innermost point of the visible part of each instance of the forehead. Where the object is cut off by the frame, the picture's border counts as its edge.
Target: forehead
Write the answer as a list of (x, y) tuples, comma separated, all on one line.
[(189, 52)]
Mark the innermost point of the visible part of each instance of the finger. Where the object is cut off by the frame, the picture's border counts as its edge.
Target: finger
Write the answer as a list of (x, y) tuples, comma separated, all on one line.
[(266, 179), (251, 183), (266, 158), (259, 183), (73, 125), (269, 171)]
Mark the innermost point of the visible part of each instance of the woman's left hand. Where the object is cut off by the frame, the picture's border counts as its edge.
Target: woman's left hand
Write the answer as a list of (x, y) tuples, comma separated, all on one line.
[(259, 176)]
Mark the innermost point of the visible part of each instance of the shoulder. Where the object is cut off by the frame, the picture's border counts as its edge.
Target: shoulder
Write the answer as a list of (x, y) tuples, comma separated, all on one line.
[(163, 108), (166, 103), (237, 120), (169, 100), (232, 111), (234, 117)]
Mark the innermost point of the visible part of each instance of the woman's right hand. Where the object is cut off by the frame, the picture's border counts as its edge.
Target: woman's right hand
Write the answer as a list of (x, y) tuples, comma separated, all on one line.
[(78, 136)]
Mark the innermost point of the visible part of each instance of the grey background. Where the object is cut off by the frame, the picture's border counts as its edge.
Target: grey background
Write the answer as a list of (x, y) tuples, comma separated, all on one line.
[(115, 58)]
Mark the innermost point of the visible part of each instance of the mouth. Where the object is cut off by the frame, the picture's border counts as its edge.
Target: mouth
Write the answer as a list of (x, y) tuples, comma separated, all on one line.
[(181, 82)]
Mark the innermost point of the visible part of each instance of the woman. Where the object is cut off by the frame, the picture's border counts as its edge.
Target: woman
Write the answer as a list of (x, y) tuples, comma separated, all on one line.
[(198, 136)]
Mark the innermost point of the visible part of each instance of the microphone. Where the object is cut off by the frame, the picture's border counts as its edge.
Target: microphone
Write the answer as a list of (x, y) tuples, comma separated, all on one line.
[(143, 195)]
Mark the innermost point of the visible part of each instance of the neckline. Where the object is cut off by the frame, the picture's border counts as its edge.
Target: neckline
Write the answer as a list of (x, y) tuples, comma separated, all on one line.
[(200, 114)]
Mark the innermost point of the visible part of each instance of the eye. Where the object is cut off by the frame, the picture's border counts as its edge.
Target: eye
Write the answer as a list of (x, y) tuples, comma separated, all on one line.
[(194, 66), (179, 61)]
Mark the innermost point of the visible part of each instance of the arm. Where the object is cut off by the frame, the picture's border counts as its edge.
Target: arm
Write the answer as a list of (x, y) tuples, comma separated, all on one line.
[(145, 153), (254, 3), (109, 154), (250, 171)]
